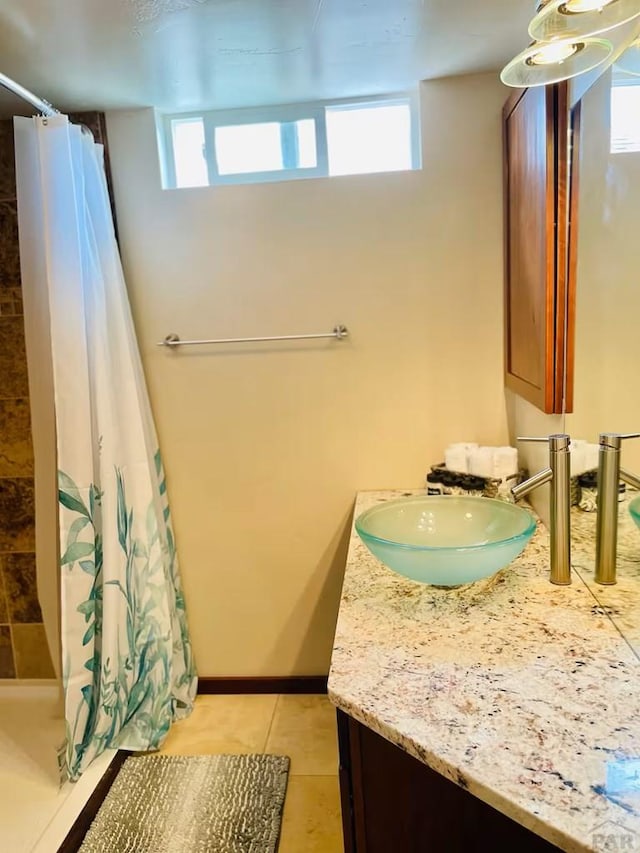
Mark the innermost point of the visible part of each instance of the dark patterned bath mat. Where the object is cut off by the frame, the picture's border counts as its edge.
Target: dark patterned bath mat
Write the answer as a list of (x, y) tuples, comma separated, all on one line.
[(192, 804)]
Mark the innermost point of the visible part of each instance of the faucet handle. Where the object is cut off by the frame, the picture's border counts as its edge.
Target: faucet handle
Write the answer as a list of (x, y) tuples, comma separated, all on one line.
[(556, 441), (614, 440)]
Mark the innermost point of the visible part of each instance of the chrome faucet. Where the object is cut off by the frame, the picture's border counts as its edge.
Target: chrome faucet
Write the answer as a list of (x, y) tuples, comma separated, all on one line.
[(609, 475), (558, 474)]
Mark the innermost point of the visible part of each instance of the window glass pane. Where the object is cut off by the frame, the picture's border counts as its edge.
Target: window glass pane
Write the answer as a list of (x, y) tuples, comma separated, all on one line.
[(298, 144), (625, 118), (307, 155), (246, 148), (368, 138), (188, 152), (266, 147)]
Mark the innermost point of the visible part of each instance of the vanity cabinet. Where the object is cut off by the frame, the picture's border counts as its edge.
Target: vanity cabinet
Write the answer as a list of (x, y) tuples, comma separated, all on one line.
[(392, 803), (536, 210)]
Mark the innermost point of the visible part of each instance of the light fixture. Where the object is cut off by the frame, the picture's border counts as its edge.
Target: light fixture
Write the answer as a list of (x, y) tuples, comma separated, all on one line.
[(544, 63), (629, 62), (580, 19)]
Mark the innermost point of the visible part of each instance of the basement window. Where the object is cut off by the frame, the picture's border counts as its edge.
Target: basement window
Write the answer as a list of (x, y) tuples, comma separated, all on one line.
[(625, 117), (291, 142)]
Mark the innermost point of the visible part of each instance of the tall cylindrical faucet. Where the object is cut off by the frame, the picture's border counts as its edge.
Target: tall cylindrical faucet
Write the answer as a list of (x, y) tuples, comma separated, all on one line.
[(558, 474), (609, 475)]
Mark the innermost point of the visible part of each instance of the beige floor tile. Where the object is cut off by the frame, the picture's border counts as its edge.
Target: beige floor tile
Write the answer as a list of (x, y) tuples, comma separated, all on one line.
[(304, 728), (312, 822), (223, 724)]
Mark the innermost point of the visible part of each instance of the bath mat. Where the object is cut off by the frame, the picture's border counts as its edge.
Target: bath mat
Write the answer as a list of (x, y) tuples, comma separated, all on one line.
[(192, 804)]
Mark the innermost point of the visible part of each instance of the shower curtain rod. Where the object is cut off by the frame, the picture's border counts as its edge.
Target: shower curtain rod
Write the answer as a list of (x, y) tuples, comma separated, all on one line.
[(43, 106)]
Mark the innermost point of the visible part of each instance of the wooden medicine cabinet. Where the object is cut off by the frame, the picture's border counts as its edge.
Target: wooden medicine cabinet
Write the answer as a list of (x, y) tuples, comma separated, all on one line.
[(536, 217)]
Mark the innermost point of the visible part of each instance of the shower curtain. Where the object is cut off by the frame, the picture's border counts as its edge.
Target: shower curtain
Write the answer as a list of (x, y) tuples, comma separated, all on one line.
[(127, 664)]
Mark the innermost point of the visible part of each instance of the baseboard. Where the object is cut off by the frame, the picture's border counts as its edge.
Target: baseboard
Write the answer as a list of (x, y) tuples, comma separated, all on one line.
[(263, 684), (30, 688)]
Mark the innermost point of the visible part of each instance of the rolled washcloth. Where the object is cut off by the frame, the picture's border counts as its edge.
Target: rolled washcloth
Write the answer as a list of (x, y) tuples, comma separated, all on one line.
[(456, 456), (498, 463), (592, 456), (578, 456), (481, 461), (584, 456), (505, 462)]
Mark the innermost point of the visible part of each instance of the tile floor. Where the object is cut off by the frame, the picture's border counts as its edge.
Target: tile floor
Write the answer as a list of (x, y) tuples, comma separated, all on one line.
[(35, 813), (302, 727)]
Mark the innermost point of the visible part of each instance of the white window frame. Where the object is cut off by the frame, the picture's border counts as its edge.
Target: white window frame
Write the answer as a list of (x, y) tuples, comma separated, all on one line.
[(284, 114)]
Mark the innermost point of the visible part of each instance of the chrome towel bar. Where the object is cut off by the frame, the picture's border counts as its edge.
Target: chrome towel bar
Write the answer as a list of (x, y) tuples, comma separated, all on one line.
[(339, 332)]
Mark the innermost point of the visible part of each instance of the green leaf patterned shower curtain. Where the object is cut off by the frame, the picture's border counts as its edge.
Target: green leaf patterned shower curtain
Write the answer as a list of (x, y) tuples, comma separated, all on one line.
[(127, 663)]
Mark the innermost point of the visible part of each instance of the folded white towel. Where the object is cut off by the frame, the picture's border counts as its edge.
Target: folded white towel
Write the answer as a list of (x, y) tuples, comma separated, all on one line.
[(481, 461), (505, 462), (456, 456), (592, 456), (578, 457), (584, 456)]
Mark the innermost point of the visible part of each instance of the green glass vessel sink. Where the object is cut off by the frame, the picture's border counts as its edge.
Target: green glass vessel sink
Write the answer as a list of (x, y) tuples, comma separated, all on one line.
[(634, 510), (445, 540)]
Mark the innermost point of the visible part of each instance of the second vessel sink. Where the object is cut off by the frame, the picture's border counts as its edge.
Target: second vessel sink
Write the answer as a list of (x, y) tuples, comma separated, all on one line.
[(448, 540), (634, 510)]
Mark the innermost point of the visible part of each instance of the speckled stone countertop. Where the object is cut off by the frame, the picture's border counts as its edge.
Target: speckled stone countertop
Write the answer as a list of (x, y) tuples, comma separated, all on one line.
[(524, 693), (622, 600)]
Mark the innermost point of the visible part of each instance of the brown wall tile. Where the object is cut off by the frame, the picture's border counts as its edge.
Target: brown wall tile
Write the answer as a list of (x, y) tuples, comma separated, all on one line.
[(18, 596), (13, 358), (19, 571), (16, 448), (9, 246), (11, 301), (7, 161), (7, 667), (32, 656), (4, 612), (93, 120), (17, 515)]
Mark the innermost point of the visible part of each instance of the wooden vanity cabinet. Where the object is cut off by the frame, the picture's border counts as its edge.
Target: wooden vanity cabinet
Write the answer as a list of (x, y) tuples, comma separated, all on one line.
[(392, 803), (536, 173)]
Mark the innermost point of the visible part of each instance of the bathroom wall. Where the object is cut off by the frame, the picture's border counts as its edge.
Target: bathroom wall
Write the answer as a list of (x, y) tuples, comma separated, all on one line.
[(265, 446), (607, 281), (527, 420), (24, 650)]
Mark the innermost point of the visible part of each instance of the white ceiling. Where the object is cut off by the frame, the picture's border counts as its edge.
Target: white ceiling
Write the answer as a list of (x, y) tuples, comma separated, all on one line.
[(188, 54)]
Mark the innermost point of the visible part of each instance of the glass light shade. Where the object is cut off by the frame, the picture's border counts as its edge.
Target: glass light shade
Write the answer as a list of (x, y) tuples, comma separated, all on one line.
[(546, 63), (580, 19), (629, 62)]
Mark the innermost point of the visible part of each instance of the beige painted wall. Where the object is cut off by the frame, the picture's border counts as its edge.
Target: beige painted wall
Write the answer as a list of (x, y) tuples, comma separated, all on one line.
[(266, 445), (608, 297), (526, 420)]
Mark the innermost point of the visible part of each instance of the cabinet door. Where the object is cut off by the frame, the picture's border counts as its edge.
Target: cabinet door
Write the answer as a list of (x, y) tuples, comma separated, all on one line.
[(535, 188), (393, 803)]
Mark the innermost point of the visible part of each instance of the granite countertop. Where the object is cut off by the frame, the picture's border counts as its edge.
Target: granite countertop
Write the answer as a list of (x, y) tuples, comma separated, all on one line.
[(622, 600), (522, 692)]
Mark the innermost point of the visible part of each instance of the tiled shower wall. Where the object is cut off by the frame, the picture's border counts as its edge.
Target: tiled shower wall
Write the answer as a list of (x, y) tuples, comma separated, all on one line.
[(23, 647), (24, 652)]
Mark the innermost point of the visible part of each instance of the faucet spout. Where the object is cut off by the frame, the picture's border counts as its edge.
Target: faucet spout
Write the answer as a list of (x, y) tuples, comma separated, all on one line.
[(630, 479), (539, 479)]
